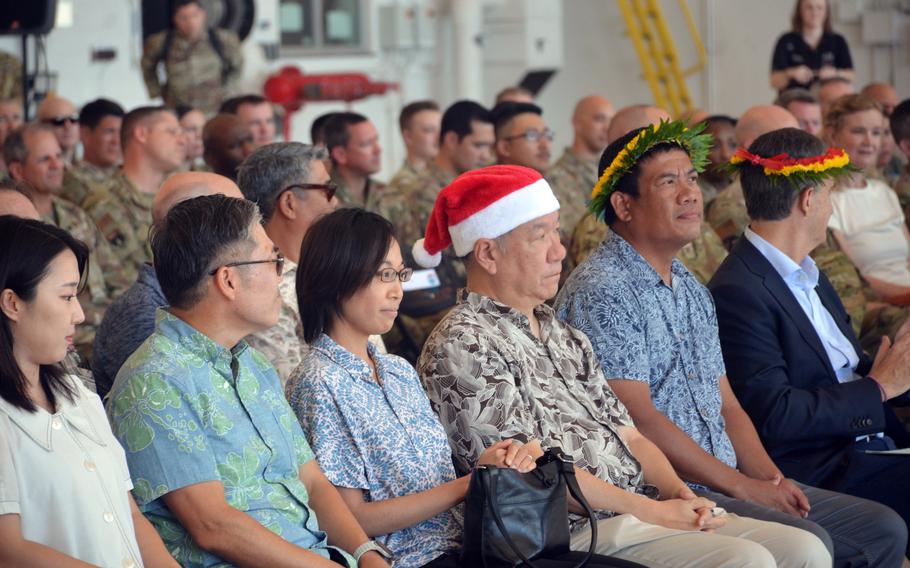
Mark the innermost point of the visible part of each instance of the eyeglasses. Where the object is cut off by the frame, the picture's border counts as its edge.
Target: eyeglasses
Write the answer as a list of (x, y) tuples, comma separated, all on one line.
[(328, 188), (279, 264), (61, 120), (390, 274), (534, 135)]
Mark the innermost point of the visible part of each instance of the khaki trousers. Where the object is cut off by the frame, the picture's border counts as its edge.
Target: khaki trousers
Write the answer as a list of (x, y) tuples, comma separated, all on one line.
[(742, 542)]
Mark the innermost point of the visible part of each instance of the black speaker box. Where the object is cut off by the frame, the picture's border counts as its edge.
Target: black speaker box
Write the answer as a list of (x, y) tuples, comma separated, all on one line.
[(27, 16)]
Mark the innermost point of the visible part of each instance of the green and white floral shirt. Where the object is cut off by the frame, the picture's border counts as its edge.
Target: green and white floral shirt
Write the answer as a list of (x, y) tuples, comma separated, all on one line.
[(187, 410)]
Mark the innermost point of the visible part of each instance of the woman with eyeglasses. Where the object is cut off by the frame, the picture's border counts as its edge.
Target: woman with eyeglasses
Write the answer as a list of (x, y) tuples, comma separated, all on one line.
[(365, 413), (64, 485)]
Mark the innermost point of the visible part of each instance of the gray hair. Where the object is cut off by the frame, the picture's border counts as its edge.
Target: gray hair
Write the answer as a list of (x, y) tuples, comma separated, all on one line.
[(15, 148), (272, 168)]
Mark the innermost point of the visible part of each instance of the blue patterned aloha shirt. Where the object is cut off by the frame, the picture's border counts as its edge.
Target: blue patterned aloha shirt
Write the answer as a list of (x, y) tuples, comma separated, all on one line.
[(644, 330), (385, 439), (187, 410)]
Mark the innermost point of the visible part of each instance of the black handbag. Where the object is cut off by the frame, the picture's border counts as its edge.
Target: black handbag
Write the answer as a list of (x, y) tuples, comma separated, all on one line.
[(514, 518)]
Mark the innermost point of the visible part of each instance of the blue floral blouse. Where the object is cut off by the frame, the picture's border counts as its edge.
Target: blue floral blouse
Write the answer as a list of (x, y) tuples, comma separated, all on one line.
[(383, 439)]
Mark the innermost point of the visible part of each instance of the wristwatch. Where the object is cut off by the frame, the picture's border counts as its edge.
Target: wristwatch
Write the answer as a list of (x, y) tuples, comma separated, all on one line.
[(369, 545)]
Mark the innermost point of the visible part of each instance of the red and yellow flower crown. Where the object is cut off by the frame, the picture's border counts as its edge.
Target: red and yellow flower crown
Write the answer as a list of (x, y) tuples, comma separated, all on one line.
[(799, 171)]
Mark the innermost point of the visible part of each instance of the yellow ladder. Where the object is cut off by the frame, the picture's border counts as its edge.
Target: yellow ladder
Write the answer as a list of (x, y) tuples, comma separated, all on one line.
[(656, 50)]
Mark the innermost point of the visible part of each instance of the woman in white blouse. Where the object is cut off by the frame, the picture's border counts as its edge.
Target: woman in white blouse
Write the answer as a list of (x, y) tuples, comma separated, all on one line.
[(64, 485), (867, 221)]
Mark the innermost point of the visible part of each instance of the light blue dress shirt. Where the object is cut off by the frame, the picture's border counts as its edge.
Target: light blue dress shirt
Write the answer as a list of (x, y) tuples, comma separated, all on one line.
[(802, 280)]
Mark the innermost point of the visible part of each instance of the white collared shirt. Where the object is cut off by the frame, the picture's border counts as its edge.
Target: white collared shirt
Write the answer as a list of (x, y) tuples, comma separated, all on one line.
[(802, 280), (66, 477)]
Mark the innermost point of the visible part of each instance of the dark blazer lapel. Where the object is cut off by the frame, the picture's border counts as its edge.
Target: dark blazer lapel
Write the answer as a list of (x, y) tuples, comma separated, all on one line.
[(778, 289)]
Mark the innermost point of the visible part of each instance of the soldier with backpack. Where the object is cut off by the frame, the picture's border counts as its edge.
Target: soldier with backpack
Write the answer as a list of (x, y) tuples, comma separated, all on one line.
[(201, 64)]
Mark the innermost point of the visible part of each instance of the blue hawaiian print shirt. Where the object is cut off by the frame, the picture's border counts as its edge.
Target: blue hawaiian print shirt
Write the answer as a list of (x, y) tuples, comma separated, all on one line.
[(187, 410), (646, 331), (383, 439)]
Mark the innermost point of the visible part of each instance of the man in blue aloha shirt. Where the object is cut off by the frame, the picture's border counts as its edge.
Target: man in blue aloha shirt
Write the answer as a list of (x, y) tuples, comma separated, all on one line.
[(654, 331), (220, 464)]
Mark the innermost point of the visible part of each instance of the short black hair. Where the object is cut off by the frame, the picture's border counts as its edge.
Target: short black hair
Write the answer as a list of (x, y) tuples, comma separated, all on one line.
[(317, 129), (29, 247), (194, 237), (231, 105), (769, 198), (411, 109), (503, 113), (900, 121), (628, 183), (336, 131), (340, 254), (94, 112), (461, 116)]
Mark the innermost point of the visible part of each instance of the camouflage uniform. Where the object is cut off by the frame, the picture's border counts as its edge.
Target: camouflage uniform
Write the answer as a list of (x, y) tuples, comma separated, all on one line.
[(727, 214), (372, 191), (97, 295), (902, 188), (10, 76), (405, 174), (702, 256), (124, 215), (82, 178), (283, 343), (572, 180), (871, 318), (709, 191), (193, 69), (408, 204)]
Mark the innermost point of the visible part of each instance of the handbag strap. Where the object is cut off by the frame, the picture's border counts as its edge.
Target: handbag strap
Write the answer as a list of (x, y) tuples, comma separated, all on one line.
[(568, 471)]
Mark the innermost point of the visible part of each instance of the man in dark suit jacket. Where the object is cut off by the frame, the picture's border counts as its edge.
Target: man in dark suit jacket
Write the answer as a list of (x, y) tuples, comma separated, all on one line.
[(817, 401)]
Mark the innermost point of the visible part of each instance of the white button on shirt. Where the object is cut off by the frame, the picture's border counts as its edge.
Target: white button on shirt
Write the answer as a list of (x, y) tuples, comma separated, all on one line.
[(802, 280), (65, 475)]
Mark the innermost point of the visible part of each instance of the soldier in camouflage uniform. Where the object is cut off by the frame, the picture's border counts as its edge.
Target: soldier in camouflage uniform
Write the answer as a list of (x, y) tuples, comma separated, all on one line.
[(353, 145), (871, 318), (35, 160), (466, 141), (289, 184), (202, 66), (153, 147), (419, 123), (574, 174), (99, 130), (10, 76), (727, 214)]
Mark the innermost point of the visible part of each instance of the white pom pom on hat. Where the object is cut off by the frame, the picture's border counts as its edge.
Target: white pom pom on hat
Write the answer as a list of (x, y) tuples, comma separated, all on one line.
[(483, 204)]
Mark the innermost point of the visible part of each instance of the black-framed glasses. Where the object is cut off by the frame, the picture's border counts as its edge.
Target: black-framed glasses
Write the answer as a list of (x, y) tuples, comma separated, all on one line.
[(533, 135), (61, 120), (390, 274), (328, 189), (279, 264)]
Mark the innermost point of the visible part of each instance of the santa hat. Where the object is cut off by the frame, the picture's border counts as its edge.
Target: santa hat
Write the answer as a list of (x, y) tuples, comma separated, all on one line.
[(483, 204)]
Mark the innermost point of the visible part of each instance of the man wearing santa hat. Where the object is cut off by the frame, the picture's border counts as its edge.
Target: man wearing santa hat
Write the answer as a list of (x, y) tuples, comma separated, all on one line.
[(501, 364)]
